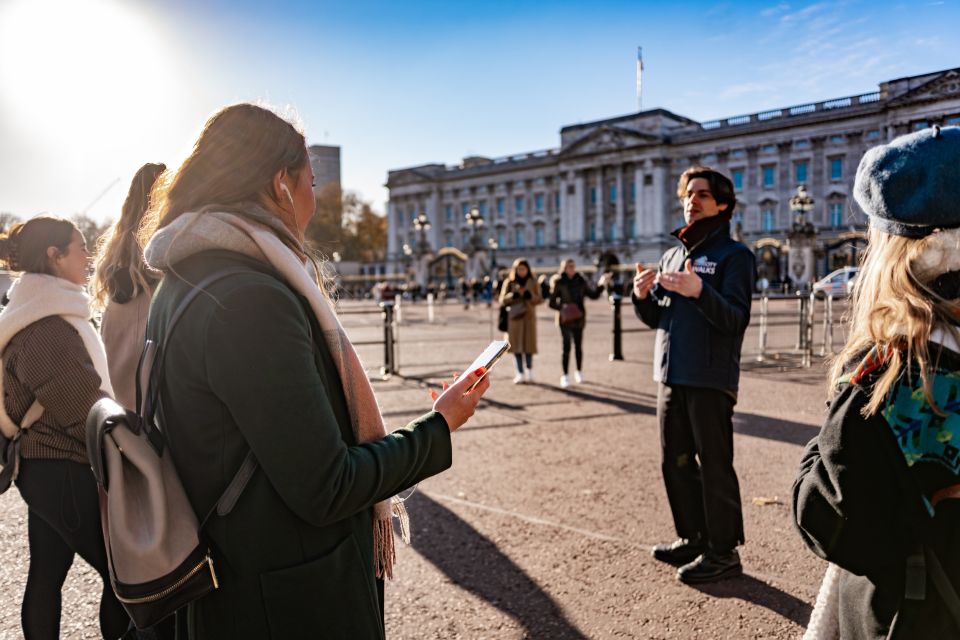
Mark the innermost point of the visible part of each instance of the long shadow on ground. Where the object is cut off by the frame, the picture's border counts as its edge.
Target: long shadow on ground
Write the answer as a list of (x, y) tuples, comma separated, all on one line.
[(760, 593), (474, 563), (751, 424)]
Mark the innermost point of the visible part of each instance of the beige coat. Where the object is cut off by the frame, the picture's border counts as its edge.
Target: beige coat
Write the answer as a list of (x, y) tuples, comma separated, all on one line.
[(522, 332), (123, 329)]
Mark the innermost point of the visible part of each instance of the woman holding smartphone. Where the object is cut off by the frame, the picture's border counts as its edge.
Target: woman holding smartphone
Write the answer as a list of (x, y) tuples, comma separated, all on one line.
[(521, 293), (262, 364)]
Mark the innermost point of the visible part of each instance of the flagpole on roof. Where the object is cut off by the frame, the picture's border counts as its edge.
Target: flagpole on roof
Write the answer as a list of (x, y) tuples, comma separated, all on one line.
[(639, 78)]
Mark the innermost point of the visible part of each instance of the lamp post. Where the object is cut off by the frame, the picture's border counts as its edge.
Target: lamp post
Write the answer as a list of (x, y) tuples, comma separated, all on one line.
[(801, 239), (421, 224), (475, 222)]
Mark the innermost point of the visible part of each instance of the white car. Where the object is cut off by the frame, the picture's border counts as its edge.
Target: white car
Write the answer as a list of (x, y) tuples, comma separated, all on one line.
[(837, 283)]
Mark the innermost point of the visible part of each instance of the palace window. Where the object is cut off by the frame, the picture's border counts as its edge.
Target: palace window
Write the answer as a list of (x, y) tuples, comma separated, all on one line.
[(483, 208), (631, 229), (839, 139), (538, 236), (769, 176), (836, 168), (800, 172), (836, 214), (801, 144), (768, 219), (518, 204), (738, 179), (501, 207), (593, 195), (738, 153), (873, 134), (953, 121), (613, 232), (633, 192), (501, 237), (593, 232), (556, 202), (448, 212), (613, 194), (518, 239), (464, 209), (538, 202)]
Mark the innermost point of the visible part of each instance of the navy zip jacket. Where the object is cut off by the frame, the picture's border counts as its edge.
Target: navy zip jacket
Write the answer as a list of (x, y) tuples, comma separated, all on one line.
[(698, 340)]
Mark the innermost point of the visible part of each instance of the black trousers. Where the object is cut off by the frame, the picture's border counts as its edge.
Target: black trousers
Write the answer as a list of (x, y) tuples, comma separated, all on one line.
[(63, 521), (696, 438), (575, 335)]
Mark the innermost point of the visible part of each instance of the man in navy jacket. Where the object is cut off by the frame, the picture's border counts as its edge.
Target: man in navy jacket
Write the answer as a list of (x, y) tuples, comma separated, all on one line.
[(698, 300)]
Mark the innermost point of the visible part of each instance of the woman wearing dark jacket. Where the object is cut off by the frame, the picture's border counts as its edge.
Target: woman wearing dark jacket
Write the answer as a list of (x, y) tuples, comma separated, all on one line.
[(54, 369), (568, 290), (877, 493), (261, 363), (123, 286)]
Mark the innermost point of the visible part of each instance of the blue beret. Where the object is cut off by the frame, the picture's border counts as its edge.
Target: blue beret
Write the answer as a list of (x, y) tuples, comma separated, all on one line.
[(911, 186)]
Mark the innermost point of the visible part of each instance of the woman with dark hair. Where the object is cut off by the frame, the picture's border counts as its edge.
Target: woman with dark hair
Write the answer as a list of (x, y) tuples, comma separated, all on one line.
[(123, 286), (53, 370), (261, 364), (521, 293), (568, 290)]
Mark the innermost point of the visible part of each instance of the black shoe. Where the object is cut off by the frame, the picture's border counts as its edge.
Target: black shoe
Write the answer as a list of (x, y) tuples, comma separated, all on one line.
[(680, 551), (710, 567)]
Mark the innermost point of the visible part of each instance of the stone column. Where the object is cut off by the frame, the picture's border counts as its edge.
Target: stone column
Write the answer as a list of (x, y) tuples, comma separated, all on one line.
[(578, 210), (641, 215), (620, 205), (786, 186), (817, 181), (660, 207), (598, 212)]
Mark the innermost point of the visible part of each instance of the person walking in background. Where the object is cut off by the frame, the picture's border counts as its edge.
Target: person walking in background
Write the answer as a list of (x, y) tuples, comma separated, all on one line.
[(698, 300), (877, 490), (521, 293), (123, 287), (568, 290), (53, 371), (262, 365)]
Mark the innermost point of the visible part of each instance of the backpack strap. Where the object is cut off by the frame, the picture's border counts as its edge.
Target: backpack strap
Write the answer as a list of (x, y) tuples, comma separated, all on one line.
[(149, 376), (943, 584)]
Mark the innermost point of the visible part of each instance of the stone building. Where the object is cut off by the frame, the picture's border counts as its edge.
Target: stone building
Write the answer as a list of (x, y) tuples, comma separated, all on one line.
[(608, 191), (325, 160)]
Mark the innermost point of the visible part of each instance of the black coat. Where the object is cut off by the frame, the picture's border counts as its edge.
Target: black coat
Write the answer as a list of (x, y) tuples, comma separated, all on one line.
[(858, 504), (567, 290), (294, 558), (699, 340)]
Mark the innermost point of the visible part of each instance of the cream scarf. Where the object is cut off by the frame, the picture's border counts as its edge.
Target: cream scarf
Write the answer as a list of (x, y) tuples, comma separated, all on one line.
[(256, 233), (35, 296)]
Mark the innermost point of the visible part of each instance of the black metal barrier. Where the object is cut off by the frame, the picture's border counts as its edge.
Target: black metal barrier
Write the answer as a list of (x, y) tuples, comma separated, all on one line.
[(389, 341)]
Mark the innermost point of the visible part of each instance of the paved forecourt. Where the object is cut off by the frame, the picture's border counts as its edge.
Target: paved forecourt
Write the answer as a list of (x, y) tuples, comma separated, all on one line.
[(543, 527)]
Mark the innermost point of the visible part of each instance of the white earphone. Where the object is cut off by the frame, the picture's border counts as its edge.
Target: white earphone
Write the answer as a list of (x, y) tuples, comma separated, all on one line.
[(286, 190)]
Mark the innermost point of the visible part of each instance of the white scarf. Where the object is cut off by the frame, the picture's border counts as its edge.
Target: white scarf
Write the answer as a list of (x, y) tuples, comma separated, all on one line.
[(193, 232), (35, 296)]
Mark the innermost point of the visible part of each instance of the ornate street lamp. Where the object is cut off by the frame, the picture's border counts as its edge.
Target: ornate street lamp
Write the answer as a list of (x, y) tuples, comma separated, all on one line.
[(494, 245), (421, 224), (475, 221), (801, 241)]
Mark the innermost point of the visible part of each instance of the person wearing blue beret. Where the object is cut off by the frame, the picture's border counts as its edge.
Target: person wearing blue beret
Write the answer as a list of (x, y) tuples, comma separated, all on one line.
[(878, 488)]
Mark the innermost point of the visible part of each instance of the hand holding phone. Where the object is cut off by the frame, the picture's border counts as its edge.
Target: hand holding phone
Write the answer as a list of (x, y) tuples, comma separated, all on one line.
[(458, 401)]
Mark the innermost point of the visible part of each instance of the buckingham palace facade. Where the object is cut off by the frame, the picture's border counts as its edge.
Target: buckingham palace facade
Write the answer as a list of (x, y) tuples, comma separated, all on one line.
[(609, 190)]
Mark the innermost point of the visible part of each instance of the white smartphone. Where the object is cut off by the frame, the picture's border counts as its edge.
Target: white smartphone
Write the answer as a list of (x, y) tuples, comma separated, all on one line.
[(489, 357)]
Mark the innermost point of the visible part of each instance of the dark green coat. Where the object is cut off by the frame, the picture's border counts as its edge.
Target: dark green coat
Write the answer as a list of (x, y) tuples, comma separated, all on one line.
[(294, 559)]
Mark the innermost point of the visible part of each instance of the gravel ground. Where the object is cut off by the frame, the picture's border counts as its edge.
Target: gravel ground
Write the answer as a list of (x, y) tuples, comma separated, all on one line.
[(543, 527)]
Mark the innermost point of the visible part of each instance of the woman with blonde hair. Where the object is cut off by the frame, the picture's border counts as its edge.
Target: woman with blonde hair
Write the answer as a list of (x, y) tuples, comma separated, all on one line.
[(877, 490), (53, 370), (521, 293), (123, 286), (261, 366)]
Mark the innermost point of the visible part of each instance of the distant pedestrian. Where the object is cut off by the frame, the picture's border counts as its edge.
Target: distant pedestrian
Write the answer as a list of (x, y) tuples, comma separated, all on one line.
[(698, 300), (123, 285), (53, 364), (567, 292), (878, 488), (521, 293)]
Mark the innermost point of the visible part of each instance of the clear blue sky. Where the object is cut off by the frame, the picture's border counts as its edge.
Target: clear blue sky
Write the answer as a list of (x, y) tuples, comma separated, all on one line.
[(94, 88)]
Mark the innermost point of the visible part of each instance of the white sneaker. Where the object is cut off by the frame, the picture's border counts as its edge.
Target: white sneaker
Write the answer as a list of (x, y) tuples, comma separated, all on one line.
[(517, 379), (564, 381), (528, 375), (578, 377)]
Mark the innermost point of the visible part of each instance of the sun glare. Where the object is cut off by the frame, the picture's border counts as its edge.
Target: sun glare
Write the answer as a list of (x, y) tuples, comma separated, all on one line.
[(83, 66)]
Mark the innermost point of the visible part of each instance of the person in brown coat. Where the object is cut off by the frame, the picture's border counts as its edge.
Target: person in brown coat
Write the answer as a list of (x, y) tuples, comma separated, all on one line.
[(521, 293), (123, 286)]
